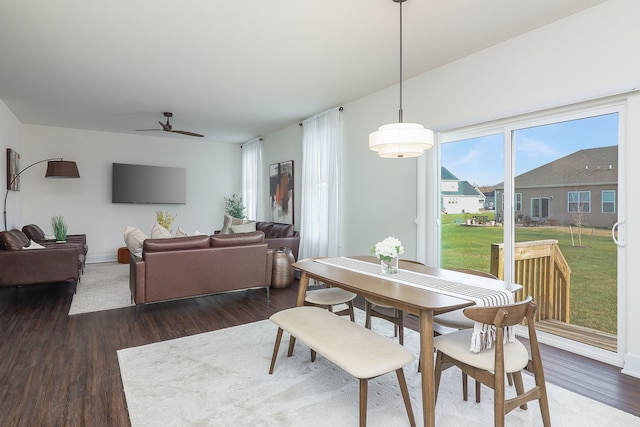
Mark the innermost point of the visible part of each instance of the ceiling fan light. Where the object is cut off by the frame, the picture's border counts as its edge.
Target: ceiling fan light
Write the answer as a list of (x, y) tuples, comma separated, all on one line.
[(401, 140)]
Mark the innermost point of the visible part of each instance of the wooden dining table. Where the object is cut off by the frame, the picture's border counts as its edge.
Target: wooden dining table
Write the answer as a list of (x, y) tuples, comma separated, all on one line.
[(420, 301)]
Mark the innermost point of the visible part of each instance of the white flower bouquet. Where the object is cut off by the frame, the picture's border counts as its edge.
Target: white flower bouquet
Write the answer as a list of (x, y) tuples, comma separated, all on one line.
[(388, 249), (387, 252)]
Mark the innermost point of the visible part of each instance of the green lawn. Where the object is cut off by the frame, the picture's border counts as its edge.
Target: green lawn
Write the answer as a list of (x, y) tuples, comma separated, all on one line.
[(593, 277)]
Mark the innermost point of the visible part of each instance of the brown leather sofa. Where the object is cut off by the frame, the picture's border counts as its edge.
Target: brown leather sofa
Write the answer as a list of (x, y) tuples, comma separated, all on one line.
[(277, 235), (22, 267), (199, 265), (35, 233)]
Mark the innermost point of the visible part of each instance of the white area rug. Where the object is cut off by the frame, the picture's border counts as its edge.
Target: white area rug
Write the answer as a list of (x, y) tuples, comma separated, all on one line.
[(221, 378), (103, 286)]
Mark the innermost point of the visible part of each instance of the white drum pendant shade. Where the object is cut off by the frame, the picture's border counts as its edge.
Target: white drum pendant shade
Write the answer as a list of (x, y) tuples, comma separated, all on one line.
[(401, 140)]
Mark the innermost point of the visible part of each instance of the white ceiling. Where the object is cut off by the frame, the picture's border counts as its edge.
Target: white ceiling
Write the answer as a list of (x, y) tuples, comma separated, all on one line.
[(235, 69)]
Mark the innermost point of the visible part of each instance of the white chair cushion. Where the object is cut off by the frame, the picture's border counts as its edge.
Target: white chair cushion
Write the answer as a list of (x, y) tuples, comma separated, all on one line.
[(378, 303), (329, 296), (453, 319), (357, 350), (456, 345)]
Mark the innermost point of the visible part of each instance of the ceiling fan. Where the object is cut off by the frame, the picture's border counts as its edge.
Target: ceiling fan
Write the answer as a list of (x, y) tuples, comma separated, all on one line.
[(168, 128)]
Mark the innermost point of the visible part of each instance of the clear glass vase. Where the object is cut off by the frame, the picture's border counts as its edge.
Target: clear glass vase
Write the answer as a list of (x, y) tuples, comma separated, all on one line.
[(389, 266)]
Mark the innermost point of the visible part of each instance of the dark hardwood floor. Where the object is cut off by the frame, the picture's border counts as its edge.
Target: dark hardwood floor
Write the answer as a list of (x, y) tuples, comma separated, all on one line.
[(60, 370)]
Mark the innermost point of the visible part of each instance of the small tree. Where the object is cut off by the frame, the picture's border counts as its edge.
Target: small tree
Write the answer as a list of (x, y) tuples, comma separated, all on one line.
[(234, 207), (577, 217)]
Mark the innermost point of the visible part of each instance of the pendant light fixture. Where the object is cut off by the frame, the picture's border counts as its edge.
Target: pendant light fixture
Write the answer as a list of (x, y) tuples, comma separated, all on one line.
[(399, 140)]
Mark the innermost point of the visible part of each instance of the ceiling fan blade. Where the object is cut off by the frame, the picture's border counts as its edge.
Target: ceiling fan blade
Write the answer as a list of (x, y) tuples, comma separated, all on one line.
[(184, 132), (168, 128)]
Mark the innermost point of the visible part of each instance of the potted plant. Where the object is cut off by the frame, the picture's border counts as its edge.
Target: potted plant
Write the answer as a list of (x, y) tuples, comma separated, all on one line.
[(165, 219), (234, 207), (59, 228)]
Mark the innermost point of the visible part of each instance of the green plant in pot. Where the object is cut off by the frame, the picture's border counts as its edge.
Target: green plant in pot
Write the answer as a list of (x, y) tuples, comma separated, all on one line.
[(165, 219), (59, 228), (234, 207)]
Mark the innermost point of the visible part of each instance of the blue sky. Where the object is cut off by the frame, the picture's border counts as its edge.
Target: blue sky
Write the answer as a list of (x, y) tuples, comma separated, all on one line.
[(480, 160)]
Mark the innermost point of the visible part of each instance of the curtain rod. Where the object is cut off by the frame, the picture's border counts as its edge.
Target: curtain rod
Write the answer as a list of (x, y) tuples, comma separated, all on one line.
[(339, 109), (251, 140)]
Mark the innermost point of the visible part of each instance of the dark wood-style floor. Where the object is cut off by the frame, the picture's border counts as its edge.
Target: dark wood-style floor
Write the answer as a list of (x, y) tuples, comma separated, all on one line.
[(60, 370)]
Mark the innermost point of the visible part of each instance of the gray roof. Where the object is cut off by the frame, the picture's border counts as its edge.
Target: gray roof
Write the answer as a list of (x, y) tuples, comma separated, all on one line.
[(588, 166)]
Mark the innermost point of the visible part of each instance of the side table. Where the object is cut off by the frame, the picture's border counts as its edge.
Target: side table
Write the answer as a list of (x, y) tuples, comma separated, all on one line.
[(123, 255), (282, 276)]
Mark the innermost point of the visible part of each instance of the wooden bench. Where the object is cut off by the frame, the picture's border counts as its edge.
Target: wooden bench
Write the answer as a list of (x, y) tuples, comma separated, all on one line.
[(355, 349)]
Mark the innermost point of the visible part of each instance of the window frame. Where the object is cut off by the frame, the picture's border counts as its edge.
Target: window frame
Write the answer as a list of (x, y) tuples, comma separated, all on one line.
[(613, 202), (579, 201)]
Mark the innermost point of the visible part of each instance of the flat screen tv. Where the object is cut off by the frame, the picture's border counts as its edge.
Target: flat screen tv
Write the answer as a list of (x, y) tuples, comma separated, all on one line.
[(148, 184)]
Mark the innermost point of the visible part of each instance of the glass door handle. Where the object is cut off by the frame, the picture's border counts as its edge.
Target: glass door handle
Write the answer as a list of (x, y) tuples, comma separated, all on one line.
[(621, 240)]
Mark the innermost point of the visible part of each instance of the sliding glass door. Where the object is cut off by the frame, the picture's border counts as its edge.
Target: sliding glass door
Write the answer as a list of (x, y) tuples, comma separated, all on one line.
[(534, 201), (567, 172), (470, 171)]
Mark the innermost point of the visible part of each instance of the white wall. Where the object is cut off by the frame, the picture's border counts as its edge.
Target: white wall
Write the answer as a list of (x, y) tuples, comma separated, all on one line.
[(213, 172), (587, 55), (10, 137), (281, 146)]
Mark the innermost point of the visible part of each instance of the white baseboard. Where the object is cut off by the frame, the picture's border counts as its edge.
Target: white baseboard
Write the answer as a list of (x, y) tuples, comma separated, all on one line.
[(631, 365), (599, 354), (94, 259)]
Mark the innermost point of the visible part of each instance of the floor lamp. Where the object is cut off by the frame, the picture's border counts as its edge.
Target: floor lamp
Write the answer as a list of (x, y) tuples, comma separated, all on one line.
[(56, 168)]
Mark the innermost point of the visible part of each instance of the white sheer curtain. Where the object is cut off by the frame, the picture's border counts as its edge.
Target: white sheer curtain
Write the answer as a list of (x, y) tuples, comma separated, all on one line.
[(252, 178), (320, 187)]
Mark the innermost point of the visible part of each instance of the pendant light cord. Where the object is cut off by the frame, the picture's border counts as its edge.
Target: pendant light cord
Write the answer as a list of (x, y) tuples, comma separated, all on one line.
[(400, 111)]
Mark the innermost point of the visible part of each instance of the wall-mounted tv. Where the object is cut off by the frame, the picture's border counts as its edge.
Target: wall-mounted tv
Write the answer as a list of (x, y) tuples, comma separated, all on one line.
[(148, 184)]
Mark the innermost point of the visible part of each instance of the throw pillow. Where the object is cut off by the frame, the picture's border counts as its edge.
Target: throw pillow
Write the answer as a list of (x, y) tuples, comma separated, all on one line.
[(134, 237), (181, 233), (34, 245), (10, 242), (159, 232), (229, 221), (21, 237), (281, 230), (243, 228)]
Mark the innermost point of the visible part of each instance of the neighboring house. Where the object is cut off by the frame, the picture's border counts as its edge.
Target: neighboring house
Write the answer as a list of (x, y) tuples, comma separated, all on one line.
[(580, 187), (489, 198), (457, 196)]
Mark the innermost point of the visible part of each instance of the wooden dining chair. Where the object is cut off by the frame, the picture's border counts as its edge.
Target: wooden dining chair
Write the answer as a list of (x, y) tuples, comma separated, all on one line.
[(490, 365), (330, 298), (456, 320), (374, 308)]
